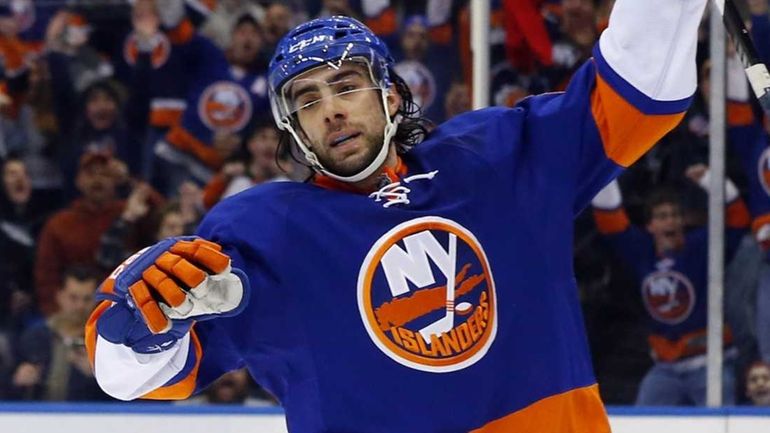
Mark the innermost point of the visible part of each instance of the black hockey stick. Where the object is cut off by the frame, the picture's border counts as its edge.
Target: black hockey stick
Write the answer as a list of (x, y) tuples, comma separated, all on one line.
[(756, 71)]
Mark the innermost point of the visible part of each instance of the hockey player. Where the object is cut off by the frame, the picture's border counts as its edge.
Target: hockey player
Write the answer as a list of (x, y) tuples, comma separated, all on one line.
[(411, 287), (671, 267)]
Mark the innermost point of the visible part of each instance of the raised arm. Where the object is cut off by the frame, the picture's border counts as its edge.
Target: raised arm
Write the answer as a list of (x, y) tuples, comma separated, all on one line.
[(627, 241), (618, 105)]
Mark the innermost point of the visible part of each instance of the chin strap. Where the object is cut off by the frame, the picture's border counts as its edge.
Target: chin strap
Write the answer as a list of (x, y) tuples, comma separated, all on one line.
[(391, 127)]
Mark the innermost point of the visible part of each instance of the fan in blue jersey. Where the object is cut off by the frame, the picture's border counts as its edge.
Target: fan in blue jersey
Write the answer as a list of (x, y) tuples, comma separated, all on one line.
[(671, 266), (421, 281)]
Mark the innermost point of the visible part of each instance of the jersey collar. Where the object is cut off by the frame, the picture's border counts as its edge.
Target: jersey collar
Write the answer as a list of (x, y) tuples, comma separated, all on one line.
[(391, 174)]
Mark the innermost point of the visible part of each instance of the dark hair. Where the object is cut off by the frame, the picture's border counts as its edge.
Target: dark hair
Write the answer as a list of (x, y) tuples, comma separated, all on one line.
[(81, 273), (412, 129), (661, 196)]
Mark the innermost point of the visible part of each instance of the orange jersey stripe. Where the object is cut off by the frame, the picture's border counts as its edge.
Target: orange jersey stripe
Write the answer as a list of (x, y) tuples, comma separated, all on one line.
[(165, 117), (626, 132), (386, 23), (611, 221), (577, 411), (182, 33), (91, 334), (690, 344), (737, 215), (185, 387), (739, 114), (185, 141)]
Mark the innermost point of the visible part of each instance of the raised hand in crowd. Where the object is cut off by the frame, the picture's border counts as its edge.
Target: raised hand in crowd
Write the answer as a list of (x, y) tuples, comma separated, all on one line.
[(145, 21), (66, 33)]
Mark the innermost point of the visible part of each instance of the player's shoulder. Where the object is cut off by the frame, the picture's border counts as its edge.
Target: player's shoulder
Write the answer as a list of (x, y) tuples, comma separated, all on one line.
[(260, 205)]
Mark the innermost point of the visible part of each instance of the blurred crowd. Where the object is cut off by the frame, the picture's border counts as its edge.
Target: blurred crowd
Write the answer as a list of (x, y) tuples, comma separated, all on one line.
[(123, 122)]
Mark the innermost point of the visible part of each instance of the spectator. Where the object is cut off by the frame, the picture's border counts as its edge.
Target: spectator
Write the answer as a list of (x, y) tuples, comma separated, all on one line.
[(264, 164), (277, 23), (219, 25), (337, 7), (22, 214), (758, 383), (671, 266), (457, 100), (54, 365), (72, 235), (221, 96), (234, 388), (131, 230), (426, 68)]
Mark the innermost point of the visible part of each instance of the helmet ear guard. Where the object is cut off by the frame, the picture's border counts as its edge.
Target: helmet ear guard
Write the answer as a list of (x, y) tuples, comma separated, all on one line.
[(328, 42)]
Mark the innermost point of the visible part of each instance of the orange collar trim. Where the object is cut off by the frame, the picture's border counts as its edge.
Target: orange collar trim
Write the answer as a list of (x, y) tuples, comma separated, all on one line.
[(394, 174)]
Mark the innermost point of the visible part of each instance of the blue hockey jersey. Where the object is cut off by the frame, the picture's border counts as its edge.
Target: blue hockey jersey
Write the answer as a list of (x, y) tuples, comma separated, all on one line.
[(673, 286), (445, 301)]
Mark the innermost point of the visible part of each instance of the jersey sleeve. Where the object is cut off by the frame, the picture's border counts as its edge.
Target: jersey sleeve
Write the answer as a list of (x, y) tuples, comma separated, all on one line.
[(620, 103)]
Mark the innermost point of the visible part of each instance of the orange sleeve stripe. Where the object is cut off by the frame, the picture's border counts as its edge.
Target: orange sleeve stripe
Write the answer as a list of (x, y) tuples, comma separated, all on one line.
[(441, 35), (214, 190), (185, 141), (737, 215), (739, 114), (90, 335), (577, 411), (165, 117), (182, 33), (185, 387), (626, 132), (760, 221), (611, 221)]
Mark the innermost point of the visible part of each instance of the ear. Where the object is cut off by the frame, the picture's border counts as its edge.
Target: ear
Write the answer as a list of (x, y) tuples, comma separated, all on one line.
[(394, 100)]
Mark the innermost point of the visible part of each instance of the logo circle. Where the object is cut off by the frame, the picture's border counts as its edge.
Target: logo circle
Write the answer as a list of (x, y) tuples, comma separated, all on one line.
[(427, 297), (669, 296), (763, 168), (225, 107)]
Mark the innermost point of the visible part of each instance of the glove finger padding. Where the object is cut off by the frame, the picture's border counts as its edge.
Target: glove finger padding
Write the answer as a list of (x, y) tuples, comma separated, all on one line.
[(218, 295), (179, 279)]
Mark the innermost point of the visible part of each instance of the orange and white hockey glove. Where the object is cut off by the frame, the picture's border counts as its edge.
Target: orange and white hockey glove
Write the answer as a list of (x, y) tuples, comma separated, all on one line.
[(160, 291)]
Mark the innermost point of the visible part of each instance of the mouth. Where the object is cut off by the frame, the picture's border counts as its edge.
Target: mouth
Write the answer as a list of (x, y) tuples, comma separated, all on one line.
[(340, 139)]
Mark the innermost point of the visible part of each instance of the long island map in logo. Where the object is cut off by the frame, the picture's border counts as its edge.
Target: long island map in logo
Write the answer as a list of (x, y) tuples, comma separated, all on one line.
[(427, 297)]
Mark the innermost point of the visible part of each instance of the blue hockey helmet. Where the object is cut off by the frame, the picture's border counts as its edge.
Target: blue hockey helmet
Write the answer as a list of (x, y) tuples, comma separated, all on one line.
[(328, 42)]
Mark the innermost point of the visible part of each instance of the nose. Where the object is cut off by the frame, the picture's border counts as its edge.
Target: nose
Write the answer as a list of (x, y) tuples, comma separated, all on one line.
[(334, 109)]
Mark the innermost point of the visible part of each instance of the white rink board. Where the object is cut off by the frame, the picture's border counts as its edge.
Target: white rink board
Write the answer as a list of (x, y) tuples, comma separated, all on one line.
[(140, 423), (674, 424), (150, 418)]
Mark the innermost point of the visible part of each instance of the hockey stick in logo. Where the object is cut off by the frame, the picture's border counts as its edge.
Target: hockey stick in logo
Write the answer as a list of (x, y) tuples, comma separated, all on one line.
[(446, 323)]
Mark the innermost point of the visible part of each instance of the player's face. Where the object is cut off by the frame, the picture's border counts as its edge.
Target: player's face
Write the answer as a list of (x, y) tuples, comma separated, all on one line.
[(341, 116), (666, 226), (758, 385)]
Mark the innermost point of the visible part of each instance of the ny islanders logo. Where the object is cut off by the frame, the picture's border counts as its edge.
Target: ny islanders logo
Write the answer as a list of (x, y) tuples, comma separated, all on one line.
[(225, 107), (427, 297), (668, 296)]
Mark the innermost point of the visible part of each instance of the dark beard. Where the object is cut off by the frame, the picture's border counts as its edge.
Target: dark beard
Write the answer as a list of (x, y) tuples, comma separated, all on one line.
[(346, 169)]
